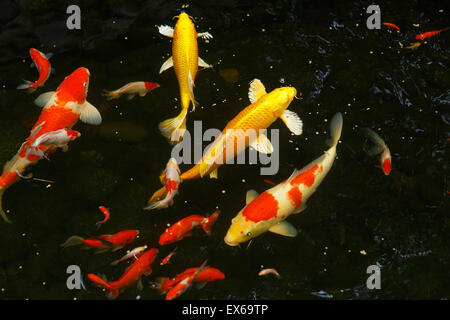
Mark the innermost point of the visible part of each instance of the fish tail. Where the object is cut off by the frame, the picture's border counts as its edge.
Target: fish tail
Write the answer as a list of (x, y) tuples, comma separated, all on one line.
[(158, 195), (8, 177), (110, 95), (162, 204), (163, 285), (72, 241), (174, 128), (209, 222), (2, 212), (24, 85), (376, 139), (336, 129), (112, 291)]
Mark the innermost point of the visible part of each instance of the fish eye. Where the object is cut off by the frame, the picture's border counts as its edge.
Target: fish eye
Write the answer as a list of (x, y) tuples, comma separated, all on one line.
[(84, 84), (248, 233)]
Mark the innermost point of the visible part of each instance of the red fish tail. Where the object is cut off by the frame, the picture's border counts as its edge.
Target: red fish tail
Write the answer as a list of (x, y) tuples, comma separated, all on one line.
[(163, 285), (113, 292), (72, 241), (207, 225)]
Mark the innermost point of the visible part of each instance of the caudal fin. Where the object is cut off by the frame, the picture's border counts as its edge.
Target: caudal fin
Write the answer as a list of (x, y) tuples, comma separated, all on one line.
[(163, 285), (207, 225), (2, 212), (162, 204), (173, 129), (72, 241), (112, 292), (336, 128), (26, 85), (110, 95), (158, 195)]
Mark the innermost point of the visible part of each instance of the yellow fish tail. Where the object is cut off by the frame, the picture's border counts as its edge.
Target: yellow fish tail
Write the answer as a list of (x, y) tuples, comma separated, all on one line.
[(158, 195), (174, 128), (110, 95), (2, 212)]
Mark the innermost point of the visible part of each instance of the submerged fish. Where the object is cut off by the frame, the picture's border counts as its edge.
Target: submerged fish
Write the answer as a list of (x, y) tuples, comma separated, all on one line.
[(269, 271), (414, 45), (185, 61), (131, 89), (391, 25), (106, 213), (268, 211), (182, 286), (429, 34), (135, 253), (264, 109), (105, 242), (61, 109), (43, 66), (379, 148)]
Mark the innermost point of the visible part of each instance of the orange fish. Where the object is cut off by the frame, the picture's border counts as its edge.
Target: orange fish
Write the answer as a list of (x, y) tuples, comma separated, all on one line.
[(414, 45), (107, 214), (133, 274), (182, 286), (388, 24), (207, 275), (43, 65), (167, 259), (105, 242), (183, 228), (429, 34), (61, 109)]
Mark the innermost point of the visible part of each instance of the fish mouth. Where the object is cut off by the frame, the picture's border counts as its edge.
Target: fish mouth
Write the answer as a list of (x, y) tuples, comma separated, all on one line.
[(230, 243)]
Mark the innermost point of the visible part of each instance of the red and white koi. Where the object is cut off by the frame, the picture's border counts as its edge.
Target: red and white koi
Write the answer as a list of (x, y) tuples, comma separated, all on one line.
[(106, 242), (184, 227), (171, 183), (43, 66), (168, 257), (182, 286), (380, 147), (133, 274), (135, 253), (131, 89), (268, 211), (106, 213), (61, 109)]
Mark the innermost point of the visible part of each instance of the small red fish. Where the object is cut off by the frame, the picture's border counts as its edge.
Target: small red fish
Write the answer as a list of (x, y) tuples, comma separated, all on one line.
[(182, 286), (105, 242), (133, 274), (43, 65), (207, 275), (167, 259), (106, 212), (183, 228), (388, 24), (429, 34)]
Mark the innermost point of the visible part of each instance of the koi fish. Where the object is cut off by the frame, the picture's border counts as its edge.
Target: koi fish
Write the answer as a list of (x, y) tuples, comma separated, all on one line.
[(59, 138), (107, 214), (209, 274), (269, 271), (388, 24), (268, 211), (380, 147), (131, 89), (429, 34), (133, 274), (264, 109), (182, 286), (167, 259), (184, 227), (61, 109), (104, 243), (414, 45), (185, 61), (171, 183), (136, 252), (43, 66)]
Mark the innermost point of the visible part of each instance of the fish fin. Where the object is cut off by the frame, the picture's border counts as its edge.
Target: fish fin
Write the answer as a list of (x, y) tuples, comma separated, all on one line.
[(65, 148), (166, 65), (300, 209), (203, 64), (256, 90), (200, 285), (204, 35), (139, 285), (110, 95), (162, 204), (2, 212), (36, 129), (48, 55), (191, 91), (213, 174), (250, 196), (213, 153), (262, 144), (44, 99), (284, 228), (159, 284), (90, 114), (72, 241), (157, 195), (292, 121), (52, 70), (130, 96), (174, 128), (142, 94), (25, 85), (336, 128), (166, 31), (101, 250)]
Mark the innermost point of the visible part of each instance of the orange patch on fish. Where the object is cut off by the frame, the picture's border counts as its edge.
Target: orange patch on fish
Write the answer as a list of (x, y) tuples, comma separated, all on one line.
[(264, 207), (295, 197), (387, 166), (306, 178)]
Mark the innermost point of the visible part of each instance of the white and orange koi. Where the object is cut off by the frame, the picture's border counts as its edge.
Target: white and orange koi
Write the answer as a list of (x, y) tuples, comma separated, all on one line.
[(43, 66), (268, 211), (380, 147), (185, 61), (182, 286), (171, 183), (131, 89), (61, 109), (135, 253)]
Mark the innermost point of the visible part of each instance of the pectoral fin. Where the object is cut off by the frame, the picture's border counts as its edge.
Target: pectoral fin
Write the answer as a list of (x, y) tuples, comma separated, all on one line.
[(205, 35), (166, 65), (191, 91), (203, 64), (44, 99), (256, 90), (250, 196), (166, 31), (139, 285), (293, 122), (90, 114), (300, 209), (213, 174), (262, 144), (284, 228)]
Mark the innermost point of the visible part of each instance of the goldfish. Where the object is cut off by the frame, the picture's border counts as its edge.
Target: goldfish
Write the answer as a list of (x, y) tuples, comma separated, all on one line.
[(167, 258), (429, 34), (182, 286), (171, 183), (136, 252), (183, 228), (185, 61), (269, 271), (105, 242), (43, 66), (268, 211), (388, 24), (107, 214), (209, 274), (264, 109), (414, 45), (379, 148), (133, 274), (61, 109), (131, 89)]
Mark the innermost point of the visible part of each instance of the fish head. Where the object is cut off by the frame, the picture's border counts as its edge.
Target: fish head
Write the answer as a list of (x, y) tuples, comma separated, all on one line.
[(184, 21), (243, 230), (149, 256), (281, 98), (150, 85), (166, 238), (75, 86), (172, 163)]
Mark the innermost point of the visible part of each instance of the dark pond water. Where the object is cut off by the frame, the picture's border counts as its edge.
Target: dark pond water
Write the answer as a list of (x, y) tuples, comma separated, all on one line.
[(358, 217)]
